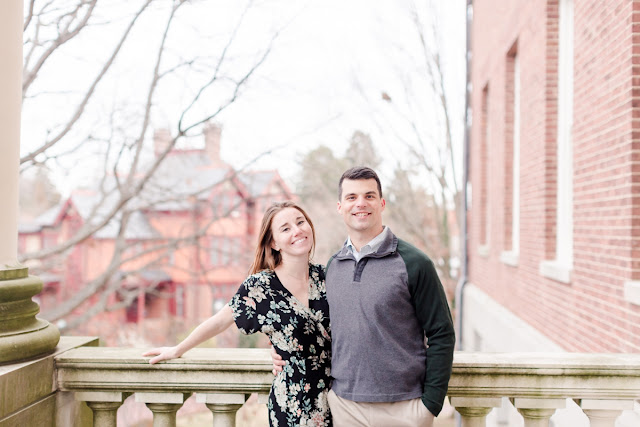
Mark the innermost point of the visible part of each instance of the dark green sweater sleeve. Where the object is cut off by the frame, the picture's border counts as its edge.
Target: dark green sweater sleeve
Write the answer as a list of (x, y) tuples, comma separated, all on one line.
[(433, 313)]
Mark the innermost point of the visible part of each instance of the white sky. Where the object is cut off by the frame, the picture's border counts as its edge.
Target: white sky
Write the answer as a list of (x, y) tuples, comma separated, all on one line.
[(322, 81)]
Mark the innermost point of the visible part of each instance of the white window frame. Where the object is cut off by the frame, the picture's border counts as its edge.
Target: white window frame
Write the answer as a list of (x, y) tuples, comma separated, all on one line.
[(560, 268), (483, 249), (511, 257)]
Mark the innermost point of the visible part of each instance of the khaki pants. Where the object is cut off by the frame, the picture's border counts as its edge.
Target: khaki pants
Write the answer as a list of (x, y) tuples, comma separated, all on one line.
[(409, 413)]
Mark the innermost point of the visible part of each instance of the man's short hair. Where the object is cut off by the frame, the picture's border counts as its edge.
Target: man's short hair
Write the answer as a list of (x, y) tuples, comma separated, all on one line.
[(357, 173)]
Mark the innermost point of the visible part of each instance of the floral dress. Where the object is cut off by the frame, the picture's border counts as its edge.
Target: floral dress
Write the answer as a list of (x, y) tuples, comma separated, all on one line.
[(300, 335)]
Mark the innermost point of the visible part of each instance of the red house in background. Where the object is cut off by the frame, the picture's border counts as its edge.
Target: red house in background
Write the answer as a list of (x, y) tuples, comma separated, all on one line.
[(186, 243)]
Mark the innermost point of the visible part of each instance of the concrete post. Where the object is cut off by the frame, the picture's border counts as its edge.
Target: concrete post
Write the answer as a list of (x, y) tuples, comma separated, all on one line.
[(21, 334), (11, 16), (474, 410), (537, 411), (104, 405), (603, 412), (163, 405), (223, 406)]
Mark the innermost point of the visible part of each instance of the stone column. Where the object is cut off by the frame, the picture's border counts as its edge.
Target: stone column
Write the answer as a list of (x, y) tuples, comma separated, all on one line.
[(11, 17), (223, 406), (104, 405), (163, 405), (537, 412), (474, 410), (21, 334), (603, 413)]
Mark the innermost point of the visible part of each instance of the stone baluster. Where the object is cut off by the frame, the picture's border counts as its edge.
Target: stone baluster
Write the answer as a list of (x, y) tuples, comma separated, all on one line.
[(537, 412), (163, 405), (474, 410), (104, 405), (603, 413), (223, 406)]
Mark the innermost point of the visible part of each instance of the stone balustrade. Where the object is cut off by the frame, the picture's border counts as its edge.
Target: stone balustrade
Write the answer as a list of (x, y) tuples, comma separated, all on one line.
[(222, 379), (537, 384)]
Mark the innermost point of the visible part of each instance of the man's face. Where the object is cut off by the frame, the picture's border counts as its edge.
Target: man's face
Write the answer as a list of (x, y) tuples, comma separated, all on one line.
[(361, 206)]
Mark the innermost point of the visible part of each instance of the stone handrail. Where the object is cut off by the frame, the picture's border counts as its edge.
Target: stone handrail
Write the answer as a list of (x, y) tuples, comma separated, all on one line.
[(537, 383), (603, 385), (222, 378)]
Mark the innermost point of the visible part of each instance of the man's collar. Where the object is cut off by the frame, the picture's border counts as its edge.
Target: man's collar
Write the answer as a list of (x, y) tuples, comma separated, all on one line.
[(374, 244)]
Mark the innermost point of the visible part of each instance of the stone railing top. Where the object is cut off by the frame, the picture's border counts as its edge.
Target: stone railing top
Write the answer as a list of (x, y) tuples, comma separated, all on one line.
[(204, 358), (199, 370), (548, 363), (536, 375), (546, 375)]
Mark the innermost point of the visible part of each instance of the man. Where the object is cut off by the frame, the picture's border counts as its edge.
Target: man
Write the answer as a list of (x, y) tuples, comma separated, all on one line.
[(384, 298)]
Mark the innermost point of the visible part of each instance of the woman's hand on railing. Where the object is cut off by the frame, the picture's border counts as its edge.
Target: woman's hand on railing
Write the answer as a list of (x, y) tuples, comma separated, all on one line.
[(162, 353)]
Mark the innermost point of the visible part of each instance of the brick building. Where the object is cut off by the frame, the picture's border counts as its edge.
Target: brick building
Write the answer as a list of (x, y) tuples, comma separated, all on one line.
[(190, 239), (554, 248)]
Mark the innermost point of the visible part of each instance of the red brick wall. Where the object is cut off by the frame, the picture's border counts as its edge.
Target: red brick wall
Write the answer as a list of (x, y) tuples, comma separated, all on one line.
[(590, 313)]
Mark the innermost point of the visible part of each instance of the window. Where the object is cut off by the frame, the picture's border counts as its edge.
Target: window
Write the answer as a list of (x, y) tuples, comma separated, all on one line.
[(214, 251), (179, 295), (560, 268), (236, 205), (484, 170), (512, 160), (234, 250), (225, 249)]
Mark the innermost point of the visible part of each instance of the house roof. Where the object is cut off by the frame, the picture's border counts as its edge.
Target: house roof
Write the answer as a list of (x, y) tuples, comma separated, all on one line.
[(137, 228), (46, 219), (179, 178), (94, 208), (182, 176), (257, 181)]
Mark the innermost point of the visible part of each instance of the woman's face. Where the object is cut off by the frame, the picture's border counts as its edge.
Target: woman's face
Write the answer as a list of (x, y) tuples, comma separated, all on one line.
[(292, 234)]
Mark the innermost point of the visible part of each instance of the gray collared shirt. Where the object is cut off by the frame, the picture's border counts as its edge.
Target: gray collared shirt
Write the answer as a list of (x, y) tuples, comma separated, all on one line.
[(370, 247)]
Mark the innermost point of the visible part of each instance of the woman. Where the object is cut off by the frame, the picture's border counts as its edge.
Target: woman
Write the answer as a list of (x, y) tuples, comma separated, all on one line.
[(284, 297)]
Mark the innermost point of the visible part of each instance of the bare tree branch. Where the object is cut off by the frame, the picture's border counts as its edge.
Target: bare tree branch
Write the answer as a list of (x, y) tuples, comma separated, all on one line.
[(64, 35), (236, 91), (27, 20), (89, 93), (232, 37), (149, 101), (126, 182)]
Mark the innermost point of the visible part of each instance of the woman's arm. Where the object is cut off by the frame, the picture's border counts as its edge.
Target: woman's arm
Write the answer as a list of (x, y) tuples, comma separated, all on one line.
[(207, 329)]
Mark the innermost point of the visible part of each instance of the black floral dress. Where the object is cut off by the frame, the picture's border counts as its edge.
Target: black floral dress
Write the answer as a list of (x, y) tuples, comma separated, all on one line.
[(300, 335)]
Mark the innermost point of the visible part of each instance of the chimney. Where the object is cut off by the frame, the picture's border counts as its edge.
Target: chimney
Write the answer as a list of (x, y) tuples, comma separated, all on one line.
[(161, 140), (212, 132)]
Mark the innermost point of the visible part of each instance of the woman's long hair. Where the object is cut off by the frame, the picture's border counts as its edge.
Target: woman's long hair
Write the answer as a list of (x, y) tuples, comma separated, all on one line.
[(266, 257)]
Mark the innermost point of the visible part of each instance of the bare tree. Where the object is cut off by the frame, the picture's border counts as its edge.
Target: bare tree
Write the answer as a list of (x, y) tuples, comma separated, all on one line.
[(109, 133), (422, 114)]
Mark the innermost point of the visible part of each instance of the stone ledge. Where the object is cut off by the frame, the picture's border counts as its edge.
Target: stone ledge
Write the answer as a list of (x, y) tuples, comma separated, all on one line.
[(509, 258), (632, 292), (12, 272), (40, 413), (34, 378), (242, 371), (547, 375), (198, 370), (483, 251), (555, 271)]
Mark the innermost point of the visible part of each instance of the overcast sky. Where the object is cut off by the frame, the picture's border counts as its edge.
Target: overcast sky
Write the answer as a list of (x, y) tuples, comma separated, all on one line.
[(323, 79)]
